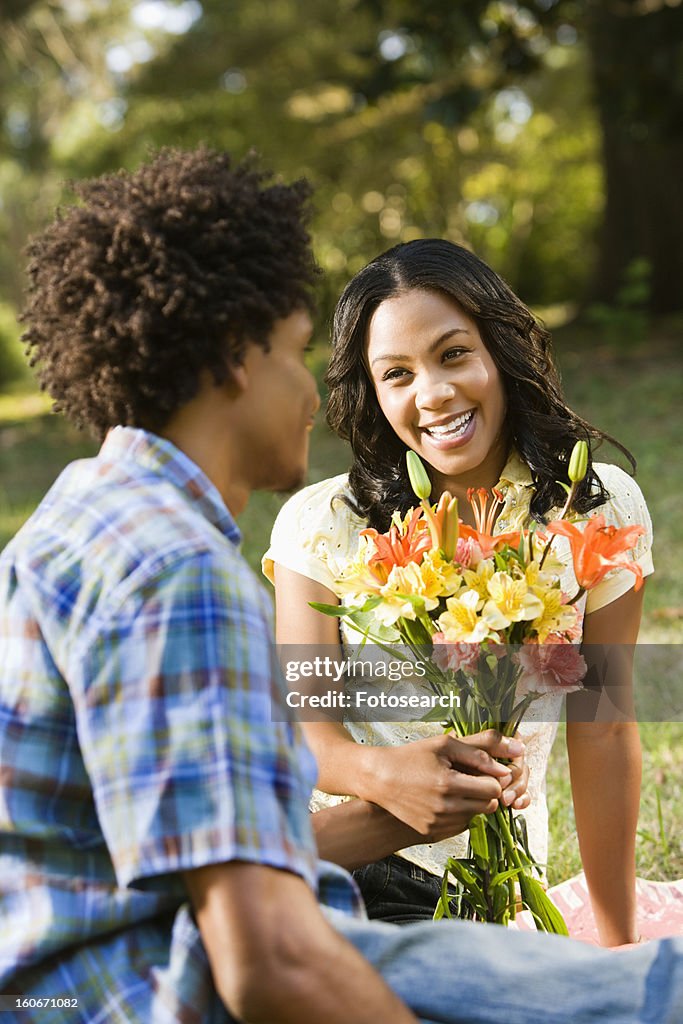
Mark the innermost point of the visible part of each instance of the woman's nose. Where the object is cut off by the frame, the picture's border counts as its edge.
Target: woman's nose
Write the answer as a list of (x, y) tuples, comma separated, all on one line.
[(433, 393)]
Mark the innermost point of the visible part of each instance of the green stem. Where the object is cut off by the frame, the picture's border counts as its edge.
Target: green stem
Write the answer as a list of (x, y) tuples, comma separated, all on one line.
[(509, 841), (511, 845), (565, 509)]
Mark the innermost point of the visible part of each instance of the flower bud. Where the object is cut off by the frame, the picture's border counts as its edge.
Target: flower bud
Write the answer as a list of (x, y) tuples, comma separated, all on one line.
[(419, 480), (578, 463)]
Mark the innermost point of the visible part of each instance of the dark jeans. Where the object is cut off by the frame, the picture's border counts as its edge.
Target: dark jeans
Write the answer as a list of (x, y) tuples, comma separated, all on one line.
[(398, 891)]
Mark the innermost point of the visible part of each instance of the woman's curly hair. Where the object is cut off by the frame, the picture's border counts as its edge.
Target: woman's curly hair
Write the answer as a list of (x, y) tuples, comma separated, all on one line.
[(157, 275), (540, 424)]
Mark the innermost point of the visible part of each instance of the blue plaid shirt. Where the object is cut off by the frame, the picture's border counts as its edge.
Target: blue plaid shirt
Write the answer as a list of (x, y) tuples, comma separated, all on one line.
[(137, 739)]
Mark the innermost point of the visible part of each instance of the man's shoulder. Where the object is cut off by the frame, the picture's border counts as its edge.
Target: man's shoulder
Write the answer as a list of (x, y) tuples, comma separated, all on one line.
[(117, 531), (136, 511)]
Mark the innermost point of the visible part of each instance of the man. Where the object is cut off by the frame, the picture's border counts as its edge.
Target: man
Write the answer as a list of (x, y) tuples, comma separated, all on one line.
[(139, 761)]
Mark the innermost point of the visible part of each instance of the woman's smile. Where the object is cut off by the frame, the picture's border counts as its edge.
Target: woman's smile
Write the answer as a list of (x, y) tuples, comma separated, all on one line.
[(453, 432)]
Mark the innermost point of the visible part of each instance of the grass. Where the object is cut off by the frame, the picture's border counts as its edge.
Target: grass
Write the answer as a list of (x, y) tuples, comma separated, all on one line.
[(659, 853), (632, 393)]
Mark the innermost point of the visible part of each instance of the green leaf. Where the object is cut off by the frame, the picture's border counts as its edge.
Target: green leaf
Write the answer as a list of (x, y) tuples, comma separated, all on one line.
[(542, 907), (437, 714), (492, 662), (501, 908), (443, 908), (474, 893), (503, 876), (458, 869), (337, 610), (478, 838)]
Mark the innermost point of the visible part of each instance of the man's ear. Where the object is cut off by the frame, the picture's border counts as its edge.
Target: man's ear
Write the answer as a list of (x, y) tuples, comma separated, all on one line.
[(238, 376)]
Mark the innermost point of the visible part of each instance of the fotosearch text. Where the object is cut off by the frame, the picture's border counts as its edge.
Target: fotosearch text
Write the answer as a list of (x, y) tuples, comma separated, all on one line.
[(364, 698)]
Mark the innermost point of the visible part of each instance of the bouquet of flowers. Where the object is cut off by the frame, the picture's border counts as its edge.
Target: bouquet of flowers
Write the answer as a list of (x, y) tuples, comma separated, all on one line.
[(486, 617)]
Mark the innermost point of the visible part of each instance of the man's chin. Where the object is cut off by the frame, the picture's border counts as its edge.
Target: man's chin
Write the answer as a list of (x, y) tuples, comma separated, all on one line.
[(292, 482)]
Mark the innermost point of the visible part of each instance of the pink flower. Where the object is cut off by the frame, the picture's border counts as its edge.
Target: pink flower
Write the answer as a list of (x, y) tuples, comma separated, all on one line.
[(455, 656), (468, 554), (553, 667)]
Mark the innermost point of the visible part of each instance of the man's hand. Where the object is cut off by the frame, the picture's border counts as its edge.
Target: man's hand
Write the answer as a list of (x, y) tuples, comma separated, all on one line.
[(437, 785)]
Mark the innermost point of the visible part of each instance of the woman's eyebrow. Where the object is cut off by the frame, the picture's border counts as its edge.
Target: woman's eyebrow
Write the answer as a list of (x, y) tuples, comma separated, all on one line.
[(434, 345)]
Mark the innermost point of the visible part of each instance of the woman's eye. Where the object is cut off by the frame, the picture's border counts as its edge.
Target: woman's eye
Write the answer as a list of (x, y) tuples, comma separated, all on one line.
[(394, 374), (453, 353)]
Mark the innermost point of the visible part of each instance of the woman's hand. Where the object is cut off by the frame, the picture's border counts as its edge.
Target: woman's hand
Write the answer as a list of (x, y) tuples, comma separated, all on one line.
[(437, 785)]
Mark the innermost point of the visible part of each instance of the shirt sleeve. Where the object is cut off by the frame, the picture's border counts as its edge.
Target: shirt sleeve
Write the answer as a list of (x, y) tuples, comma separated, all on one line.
[(314, 531), (174, 694), (626, 507)]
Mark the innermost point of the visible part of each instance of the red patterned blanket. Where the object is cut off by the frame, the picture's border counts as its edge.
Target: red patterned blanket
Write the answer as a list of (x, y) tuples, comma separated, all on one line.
[(660, 909)]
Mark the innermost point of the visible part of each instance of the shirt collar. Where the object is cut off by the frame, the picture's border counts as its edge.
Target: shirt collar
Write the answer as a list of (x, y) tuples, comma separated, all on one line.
[(160, 456), (517, 486), (516, 472)]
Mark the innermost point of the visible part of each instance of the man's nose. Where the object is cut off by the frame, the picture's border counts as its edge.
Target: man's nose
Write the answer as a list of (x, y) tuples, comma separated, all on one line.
[(317, 402)]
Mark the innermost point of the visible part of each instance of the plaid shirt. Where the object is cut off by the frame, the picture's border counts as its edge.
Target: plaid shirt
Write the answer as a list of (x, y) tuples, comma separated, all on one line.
[(137, 738)]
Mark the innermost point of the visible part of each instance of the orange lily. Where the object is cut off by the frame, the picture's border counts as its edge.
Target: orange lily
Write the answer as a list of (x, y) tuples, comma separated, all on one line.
[(444, 525), (485, 518), (396, 547), (599, 548)]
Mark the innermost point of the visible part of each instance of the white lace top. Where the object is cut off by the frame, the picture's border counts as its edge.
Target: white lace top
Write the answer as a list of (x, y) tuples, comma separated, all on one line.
[(314, 533)]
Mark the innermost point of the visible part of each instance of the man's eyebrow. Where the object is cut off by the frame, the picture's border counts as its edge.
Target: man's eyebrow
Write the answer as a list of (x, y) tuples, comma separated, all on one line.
[(434, 345)]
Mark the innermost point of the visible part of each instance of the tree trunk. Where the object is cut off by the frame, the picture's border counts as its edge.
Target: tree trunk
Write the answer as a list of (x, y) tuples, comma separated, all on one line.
[(636, 61)]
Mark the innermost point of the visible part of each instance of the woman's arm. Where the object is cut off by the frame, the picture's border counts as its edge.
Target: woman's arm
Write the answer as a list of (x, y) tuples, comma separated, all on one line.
[(418, 783), (605, 768)]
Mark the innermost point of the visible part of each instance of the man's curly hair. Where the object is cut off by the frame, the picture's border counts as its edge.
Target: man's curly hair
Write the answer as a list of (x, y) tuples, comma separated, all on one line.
[(158, 274)]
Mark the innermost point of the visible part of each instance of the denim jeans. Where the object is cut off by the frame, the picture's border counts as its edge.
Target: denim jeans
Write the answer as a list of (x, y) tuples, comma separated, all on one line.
[(398, 891), (458, 972)]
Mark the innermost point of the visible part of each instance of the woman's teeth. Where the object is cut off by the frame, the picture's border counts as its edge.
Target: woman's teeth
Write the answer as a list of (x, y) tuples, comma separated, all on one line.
[(454, 428)]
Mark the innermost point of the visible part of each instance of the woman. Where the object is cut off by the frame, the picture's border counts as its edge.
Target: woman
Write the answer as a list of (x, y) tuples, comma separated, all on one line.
[(432, 351)]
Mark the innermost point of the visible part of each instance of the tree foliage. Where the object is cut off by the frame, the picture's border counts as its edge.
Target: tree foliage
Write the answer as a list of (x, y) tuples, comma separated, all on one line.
[(508, 125), (635, 54)]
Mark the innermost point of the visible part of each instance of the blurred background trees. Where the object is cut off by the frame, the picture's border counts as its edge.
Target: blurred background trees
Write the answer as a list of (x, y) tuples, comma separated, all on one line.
[(545, 134)]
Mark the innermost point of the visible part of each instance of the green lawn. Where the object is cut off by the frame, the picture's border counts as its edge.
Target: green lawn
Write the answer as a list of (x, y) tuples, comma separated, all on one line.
[(633, 394)]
